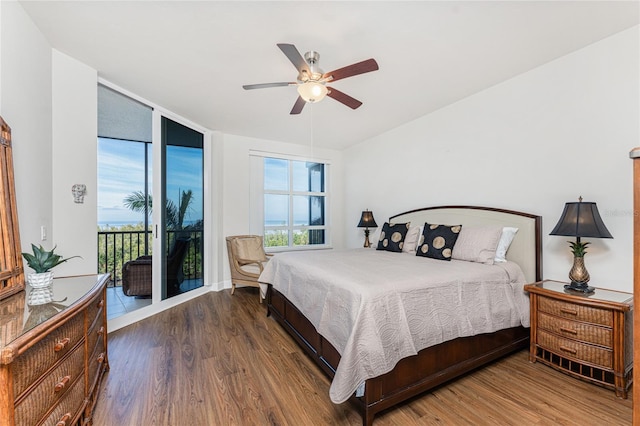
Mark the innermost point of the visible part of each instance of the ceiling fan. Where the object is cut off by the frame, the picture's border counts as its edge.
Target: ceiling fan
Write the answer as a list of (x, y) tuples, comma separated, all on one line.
[(312, 81)]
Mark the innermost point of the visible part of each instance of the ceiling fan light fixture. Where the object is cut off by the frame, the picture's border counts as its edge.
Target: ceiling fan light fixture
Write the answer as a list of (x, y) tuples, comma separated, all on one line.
[(312, 91)]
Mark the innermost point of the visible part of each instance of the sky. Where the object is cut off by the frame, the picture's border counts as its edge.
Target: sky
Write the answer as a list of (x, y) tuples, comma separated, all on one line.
[(276, 178), (121, 172)]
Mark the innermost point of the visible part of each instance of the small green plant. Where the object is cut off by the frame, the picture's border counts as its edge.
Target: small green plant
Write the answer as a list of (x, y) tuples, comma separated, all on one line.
[(578, 248), (42, 260)]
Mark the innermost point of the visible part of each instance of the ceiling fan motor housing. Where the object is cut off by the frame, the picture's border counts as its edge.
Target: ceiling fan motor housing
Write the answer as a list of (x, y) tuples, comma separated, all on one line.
[(311, 58)]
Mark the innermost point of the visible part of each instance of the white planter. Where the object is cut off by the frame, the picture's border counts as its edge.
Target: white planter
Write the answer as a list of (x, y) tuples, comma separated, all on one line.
[(41, 288), (43, 279)]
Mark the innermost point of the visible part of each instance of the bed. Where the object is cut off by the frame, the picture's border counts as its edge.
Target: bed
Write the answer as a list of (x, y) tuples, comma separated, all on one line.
[(362, 314)]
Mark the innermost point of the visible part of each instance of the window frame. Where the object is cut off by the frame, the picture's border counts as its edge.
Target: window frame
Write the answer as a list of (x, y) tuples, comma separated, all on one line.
[(258, 193)]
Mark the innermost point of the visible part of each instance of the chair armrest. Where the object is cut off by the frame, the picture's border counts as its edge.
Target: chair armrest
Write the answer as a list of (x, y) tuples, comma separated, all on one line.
[(243, 262)]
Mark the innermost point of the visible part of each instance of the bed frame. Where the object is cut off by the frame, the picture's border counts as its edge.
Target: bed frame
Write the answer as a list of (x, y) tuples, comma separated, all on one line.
[(438, 364)]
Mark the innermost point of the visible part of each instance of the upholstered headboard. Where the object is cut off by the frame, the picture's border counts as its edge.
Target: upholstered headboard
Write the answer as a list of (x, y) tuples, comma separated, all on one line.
[(526, 248)]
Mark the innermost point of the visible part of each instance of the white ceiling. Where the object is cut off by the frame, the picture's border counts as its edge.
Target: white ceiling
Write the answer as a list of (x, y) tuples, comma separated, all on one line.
[(193, 57)]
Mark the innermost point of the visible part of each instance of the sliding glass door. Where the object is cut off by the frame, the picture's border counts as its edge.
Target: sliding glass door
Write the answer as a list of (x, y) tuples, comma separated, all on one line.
[(182, 195)]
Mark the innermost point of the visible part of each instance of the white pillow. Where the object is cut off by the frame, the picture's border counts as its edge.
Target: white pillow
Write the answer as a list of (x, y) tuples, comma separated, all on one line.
[(477, 244), (411, 239), (505, 241)]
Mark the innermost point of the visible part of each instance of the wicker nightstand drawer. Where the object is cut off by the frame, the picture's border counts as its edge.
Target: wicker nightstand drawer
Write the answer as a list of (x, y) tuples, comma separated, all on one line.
[(54, 386), (584, 332), (591, 354), (576, 312)]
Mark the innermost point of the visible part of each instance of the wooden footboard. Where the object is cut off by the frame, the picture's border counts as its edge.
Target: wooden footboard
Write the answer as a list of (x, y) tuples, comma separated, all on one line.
[(413, 375)]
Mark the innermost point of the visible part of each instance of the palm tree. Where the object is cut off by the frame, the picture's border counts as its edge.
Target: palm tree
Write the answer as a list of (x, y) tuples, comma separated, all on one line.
[(138, 201)]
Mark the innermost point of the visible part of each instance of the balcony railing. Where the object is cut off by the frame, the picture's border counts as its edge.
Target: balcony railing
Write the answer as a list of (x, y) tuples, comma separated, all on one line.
[(115, 248)]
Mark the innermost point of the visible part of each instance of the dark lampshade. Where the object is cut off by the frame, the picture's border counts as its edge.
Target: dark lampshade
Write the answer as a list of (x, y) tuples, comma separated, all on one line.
[(581, 219), (367, 220)]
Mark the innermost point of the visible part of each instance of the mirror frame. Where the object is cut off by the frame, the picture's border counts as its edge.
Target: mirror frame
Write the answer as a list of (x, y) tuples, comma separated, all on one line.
[(11, 267)]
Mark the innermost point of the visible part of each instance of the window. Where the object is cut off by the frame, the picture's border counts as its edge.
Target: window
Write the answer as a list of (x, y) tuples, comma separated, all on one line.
[(294, 202)]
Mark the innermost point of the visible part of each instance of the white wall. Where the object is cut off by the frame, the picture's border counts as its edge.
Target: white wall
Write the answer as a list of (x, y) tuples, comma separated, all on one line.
[(531, 143), (25, 104), (74, 130)]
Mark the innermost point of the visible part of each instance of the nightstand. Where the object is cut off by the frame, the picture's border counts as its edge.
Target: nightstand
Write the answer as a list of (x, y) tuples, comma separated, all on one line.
[(586, 336)]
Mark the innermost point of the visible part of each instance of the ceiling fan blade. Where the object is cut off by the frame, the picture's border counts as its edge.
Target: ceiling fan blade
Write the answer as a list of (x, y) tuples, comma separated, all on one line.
[(297, 107), (265, 85), (295, 57), (343, 98), (351, 70)]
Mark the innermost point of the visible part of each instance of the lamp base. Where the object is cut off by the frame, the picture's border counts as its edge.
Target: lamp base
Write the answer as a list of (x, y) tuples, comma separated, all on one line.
[(579, 287), (367, 243)]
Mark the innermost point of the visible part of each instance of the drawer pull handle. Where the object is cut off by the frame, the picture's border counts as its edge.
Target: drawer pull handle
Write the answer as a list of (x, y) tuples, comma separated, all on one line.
[(100, 358), (569, 311), (61, 344), (101, 304), (64, 419), (570, 350), (101, 331), (569, 330), (62, 383)]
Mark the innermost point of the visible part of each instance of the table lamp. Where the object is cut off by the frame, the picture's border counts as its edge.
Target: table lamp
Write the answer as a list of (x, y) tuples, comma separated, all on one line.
[(367, 221), (580, 219)]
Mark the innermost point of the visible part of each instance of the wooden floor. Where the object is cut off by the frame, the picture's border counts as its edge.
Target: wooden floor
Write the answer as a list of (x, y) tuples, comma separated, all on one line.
[(218, 360)]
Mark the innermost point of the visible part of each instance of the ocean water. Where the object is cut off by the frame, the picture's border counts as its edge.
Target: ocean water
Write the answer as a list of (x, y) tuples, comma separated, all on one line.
[(119, 223)]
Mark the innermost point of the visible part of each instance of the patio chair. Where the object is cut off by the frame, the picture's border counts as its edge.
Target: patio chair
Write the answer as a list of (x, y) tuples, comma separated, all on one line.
[(136, 274), (246, 260)]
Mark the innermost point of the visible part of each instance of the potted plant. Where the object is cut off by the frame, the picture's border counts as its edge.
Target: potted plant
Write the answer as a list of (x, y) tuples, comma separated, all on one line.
[(42, 261)]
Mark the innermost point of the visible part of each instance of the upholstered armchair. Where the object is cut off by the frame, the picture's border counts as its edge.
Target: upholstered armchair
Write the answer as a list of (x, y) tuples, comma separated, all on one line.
[(136, 274), (246, 260)]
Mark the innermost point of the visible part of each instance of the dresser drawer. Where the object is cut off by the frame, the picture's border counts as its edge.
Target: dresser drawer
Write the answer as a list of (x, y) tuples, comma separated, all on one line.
[(592, 354), (96, 332), (96, 362), (69, 408), (575, 311), (95, 308), (53, 387), (576, 330), (41, 356)]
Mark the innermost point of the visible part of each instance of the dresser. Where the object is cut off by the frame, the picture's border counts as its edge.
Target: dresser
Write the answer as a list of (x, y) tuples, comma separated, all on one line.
[(586, 336), (53, 355)]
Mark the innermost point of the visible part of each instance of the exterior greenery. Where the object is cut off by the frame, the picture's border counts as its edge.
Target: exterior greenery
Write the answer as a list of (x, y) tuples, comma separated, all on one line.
[(118, 245), (280, 238)]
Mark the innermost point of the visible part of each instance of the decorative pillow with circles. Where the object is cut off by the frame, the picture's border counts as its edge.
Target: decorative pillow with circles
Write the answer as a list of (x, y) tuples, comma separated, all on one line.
[(437, 241), (392, 236)]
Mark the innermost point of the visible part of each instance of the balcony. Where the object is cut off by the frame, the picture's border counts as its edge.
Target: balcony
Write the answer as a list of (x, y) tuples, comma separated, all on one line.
[(115, 248)]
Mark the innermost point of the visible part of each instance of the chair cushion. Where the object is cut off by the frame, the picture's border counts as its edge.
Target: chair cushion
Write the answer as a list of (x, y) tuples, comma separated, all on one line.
[(249, 248), (251, 268)]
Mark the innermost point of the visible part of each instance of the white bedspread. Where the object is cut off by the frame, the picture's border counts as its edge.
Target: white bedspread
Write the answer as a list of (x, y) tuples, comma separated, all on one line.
[(377, 307)]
